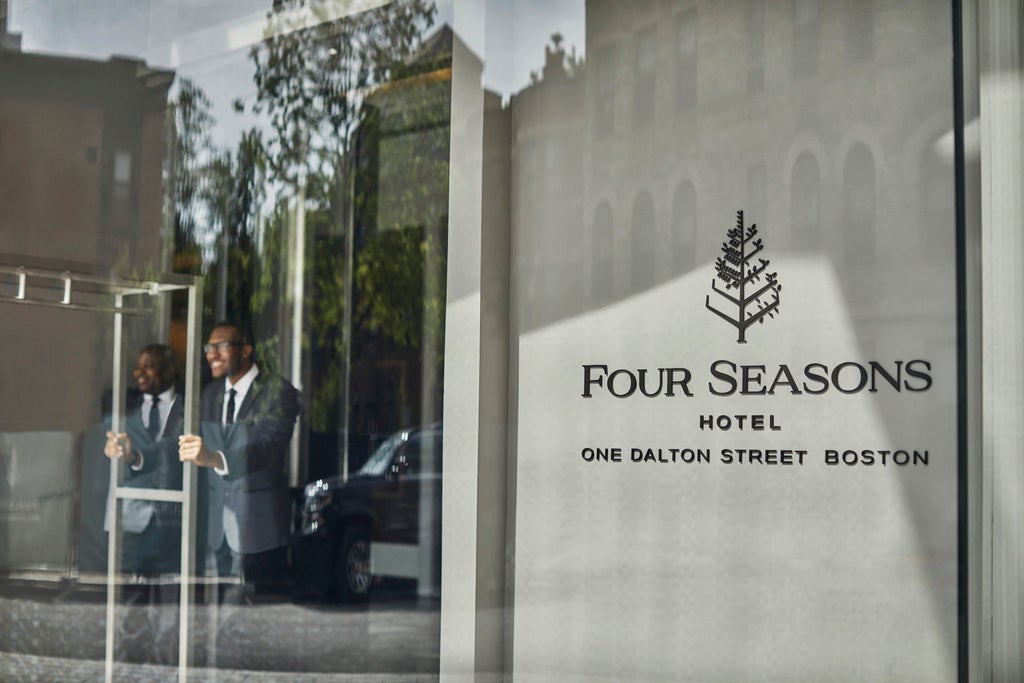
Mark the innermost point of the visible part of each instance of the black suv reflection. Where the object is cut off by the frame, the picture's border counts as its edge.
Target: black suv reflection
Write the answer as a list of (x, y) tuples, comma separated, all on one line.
[(384, 521)]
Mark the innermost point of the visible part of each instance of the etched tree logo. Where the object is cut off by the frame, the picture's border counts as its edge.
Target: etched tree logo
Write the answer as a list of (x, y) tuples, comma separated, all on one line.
[(740, 275)]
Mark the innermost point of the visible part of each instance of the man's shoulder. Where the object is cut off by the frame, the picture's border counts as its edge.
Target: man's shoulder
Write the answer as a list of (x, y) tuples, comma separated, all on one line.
[(275, 382), (210, 394), (133, 422), (275, 389), (178, 404)]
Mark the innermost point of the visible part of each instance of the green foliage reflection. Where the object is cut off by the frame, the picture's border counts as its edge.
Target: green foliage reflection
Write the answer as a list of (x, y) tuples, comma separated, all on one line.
[(350, 160)]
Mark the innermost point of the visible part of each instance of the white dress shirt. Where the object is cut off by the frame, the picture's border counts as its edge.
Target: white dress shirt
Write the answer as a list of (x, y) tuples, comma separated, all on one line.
[(241, 388), (163, 408)]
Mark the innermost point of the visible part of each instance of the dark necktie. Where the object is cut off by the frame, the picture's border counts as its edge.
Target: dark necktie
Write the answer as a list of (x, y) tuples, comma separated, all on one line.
[(230, 417), (154, 418)]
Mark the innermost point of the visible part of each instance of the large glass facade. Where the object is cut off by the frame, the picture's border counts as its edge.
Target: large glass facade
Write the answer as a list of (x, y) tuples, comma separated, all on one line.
[(291, 160), (742, 236), (696, 308)]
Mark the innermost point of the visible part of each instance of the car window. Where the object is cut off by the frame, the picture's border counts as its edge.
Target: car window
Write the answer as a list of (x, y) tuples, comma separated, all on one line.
[(410, 455), (421, 449), (379, 462)]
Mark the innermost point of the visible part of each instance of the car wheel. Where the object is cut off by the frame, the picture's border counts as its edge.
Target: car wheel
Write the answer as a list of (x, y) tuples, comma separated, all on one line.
[(355, 573)]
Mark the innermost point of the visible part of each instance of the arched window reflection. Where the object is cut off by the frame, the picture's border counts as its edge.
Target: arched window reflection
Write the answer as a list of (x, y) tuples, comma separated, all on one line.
[(642, 239), (684, 228), (805, 203), (859, 226), (602, 248)]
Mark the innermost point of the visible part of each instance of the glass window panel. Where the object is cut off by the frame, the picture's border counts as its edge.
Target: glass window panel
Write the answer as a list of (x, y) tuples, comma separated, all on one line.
[(822, 162), (293, 158)]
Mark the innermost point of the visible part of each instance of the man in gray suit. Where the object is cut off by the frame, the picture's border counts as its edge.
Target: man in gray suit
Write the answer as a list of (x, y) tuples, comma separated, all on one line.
[(152, 530), (247, 416)]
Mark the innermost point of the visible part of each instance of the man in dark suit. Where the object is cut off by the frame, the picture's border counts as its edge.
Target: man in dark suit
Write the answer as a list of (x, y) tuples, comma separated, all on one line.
[(247, 416), (152, 530)]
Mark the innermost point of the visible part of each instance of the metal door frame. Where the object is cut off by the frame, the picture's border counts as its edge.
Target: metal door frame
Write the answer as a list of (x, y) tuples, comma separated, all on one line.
[(63, 282)]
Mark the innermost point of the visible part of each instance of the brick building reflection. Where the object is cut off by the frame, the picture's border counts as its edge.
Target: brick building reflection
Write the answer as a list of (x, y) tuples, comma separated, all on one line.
[(81, 186)]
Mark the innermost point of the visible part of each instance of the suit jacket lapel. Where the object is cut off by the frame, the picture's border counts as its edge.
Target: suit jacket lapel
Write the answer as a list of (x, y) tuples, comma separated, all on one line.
[(242, 411), (216, 408), (133, 425), (250, 397), (210, 409), (175, 416)]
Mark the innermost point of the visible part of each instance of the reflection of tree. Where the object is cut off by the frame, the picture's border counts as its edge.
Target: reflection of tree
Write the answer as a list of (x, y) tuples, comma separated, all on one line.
[(313, 76), (310, 80), (390, 276), (215, 198), (402, 176), (354, 151), (326, 325), (401, 180), (233, 196), (190, 146)]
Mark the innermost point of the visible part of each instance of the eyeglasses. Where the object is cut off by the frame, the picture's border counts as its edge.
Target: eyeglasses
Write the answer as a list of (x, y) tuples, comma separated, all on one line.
[(220, 347)]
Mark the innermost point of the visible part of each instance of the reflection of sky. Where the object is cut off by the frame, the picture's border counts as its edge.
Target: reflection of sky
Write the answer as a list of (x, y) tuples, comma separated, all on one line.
[(164, 35), (516, 34), (208, 41)]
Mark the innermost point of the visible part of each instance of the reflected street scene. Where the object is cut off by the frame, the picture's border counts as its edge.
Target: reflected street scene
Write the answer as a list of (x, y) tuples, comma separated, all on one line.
[(229, 224)]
